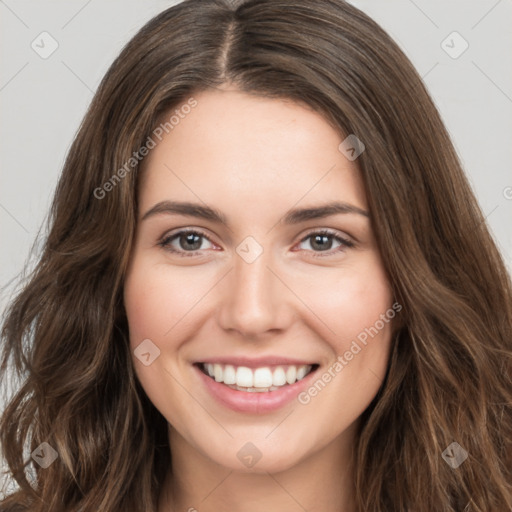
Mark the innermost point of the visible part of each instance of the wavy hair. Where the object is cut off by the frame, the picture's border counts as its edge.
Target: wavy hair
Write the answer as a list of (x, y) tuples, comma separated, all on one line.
[(65, 334)]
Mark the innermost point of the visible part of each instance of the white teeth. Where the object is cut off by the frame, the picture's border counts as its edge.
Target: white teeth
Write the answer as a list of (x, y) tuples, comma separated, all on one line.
[(301, 372), (279, 377), (262, 378), (244, 377), (291, 374), (229, 374), (258, 379), (217, 372)]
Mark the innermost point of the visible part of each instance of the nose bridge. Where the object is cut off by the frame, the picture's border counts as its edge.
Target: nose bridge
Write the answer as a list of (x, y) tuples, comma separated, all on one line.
[(254, 300)]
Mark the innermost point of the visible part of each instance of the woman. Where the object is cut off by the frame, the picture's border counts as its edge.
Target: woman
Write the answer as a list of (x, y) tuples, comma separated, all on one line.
[(338, 336)]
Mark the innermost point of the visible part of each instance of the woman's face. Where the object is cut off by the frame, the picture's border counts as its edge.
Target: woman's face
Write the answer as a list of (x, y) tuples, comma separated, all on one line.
[(266, 286)]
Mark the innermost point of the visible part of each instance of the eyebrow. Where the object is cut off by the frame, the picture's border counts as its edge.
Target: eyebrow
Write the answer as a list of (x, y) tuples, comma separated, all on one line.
[(294, 216)]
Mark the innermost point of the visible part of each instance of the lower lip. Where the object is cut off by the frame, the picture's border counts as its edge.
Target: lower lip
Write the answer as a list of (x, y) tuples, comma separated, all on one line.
[(258, 402)]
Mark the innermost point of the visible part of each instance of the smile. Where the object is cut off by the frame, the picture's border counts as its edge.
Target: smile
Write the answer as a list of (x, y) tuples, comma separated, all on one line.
[(256, 380), (254, 386)]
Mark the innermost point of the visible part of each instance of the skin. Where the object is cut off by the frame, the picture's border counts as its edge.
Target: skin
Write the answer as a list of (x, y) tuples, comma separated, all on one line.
[(254, 159)]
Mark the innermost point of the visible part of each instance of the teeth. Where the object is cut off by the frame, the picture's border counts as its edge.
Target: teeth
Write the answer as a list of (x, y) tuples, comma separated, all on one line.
[(257, 380), (229, 374), (291, 374), (244, 377), (262, 378), (301, 372), (254, 390), (279, 377)]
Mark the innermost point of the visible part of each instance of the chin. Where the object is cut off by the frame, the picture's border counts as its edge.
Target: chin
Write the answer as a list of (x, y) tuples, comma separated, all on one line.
[(257, 456)]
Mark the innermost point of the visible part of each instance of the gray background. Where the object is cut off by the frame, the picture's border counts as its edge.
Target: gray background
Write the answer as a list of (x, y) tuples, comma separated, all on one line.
[(43, 100)]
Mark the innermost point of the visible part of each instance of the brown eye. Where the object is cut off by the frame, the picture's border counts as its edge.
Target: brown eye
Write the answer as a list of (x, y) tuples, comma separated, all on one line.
[(183, 242), (322, 241)]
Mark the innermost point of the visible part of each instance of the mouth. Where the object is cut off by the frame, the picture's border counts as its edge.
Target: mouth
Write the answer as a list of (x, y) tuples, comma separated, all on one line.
[(264, 379)]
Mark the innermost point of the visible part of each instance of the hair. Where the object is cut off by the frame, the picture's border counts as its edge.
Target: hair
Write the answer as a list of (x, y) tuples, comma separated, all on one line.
[(65, 333)]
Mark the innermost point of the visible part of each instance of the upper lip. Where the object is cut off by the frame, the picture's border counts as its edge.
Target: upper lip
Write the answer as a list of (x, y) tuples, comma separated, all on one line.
[(256, 362)]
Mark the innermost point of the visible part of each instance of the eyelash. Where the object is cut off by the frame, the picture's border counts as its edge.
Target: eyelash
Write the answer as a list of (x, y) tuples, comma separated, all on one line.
[(345, 243)]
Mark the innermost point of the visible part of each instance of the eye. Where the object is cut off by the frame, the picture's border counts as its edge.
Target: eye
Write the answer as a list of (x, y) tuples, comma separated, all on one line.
[(184, 243), (189, 242), (322, 241)]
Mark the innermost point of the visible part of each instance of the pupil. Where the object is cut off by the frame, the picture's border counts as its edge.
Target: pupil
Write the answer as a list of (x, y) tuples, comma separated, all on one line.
[(324, 239), (192, 240)]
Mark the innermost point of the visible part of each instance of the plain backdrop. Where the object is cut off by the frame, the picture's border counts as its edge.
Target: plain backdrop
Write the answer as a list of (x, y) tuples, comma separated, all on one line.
[(43, 100)]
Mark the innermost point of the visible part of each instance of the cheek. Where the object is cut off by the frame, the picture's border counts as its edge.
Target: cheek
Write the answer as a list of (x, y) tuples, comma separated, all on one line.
[(357, 307), (157, 301), (346, 386), (147, 307), (159, 306), (350, 301)]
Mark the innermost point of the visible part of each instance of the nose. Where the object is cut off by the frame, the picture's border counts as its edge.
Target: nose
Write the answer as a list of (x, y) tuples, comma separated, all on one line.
[(254, 300)]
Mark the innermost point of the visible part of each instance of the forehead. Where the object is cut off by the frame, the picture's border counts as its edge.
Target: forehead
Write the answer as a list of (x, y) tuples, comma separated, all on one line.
[(232, 145)]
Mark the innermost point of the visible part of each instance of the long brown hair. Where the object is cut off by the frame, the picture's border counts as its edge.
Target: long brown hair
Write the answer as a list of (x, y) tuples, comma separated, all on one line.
[(66, 334)]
